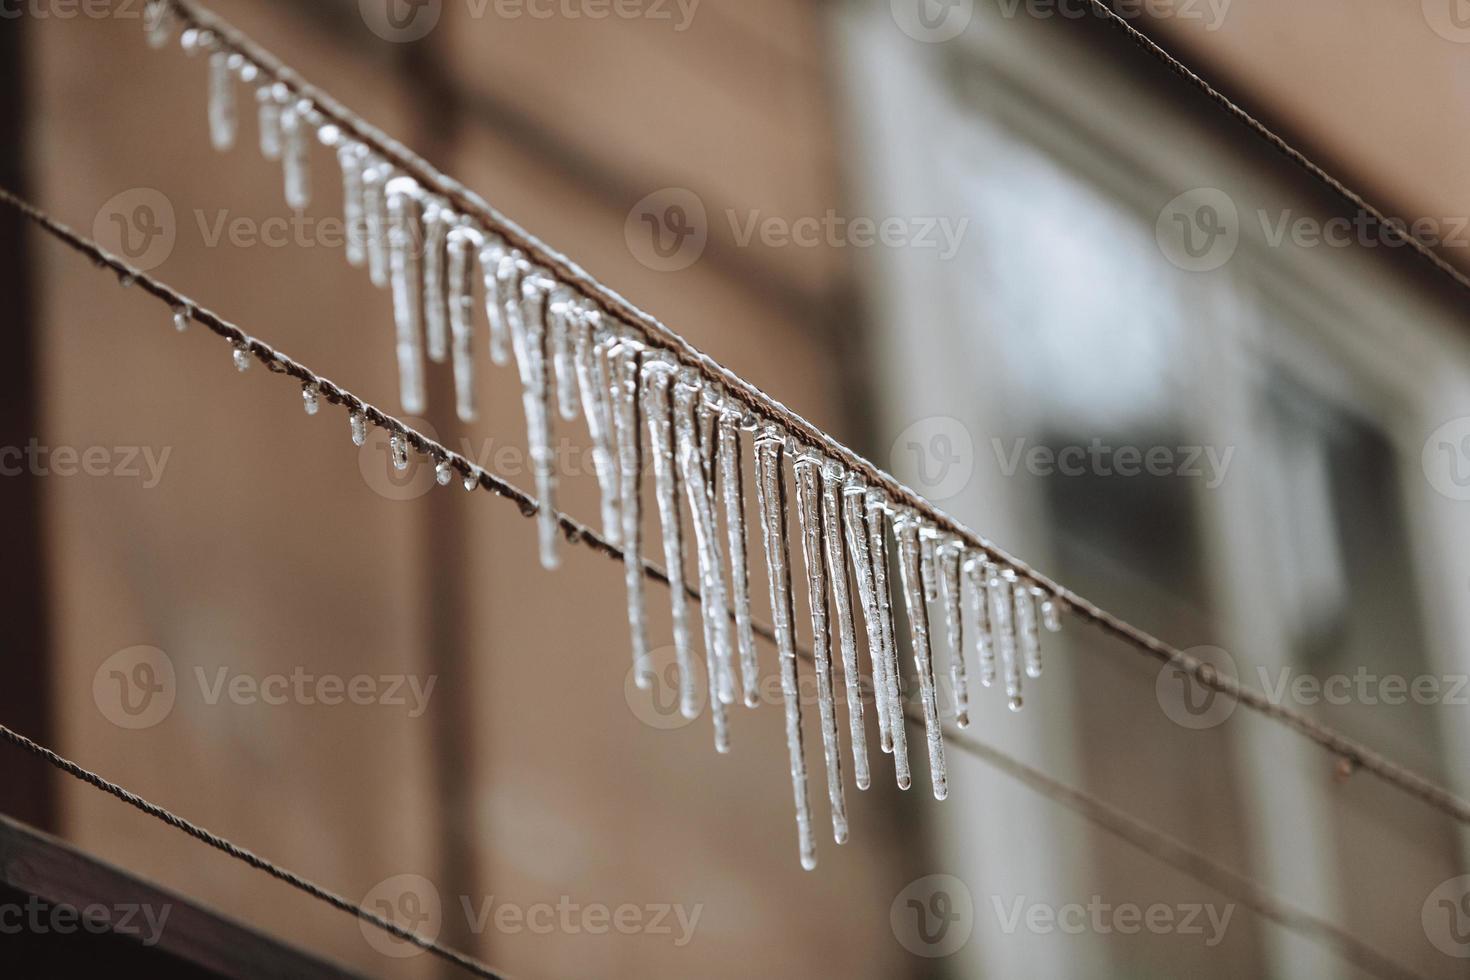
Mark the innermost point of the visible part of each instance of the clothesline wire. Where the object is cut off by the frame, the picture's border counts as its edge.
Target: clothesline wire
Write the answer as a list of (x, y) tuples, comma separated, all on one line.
[(1128, 828), (468, 202)]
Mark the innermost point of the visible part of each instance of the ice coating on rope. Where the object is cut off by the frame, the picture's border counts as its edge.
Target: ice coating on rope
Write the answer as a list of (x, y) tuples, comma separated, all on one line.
[(438, 220), (770, 492), (563, 308), (357, 424), (295, 165), (224, 118), (710, 559), (463, 247), (527, 321), (807, 473), (1027, 631), (977, 570), (732, 489), (877, 509), (948, 555), (350, 157), (855, 523), (590, 357), (835, 555), (623, 369), (907, 531), (658, 376), (269, 116), (404, 214), (375, 178), (491, 257), (1003, 632)]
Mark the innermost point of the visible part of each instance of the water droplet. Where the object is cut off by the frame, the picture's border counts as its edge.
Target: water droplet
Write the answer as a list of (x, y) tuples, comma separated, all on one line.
[(443, 472), (472, 481)]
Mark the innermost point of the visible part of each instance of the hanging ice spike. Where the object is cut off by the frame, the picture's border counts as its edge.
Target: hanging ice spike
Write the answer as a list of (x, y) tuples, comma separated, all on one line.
[(807, 471), (591, 344), (977, 571), (405, 213), (657, 381), (463, 246), (732, 486), (876, 507), (559, 343), (527, 319), (1003, 632), (351, 157), (375, 178), (491, 257), (438, 220), (624, 366), (908, 531), (855, 524), (223, 113), (948, 556), (835, 556), (770, 489)]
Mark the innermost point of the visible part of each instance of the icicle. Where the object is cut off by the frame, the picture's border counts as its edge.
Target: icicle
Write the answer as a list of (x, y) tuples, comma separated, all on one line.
[(1051, 612), (908, 532), (707, 550), (563, 311), (854, 520), (706, 411), (158, 22), (1003, 632), (770, 491), (472, 480), (658, 373), (438, 219), (807, 470), (194, 40), (350, 157), (1026, 629), (591, 365), (270, 122), (357, 422), (295, 164), (948, 557), (835, 554), (404, 215), (624, 367), (375, 178), (463, 245), (127, 280), (977, 570), (927, 564), (398, 451), (443, 472), (877, 508), (241, 357), (491, 257), (732, 484), (311, 399), (223, 116), (182, 316), (247, 70), (528, 335)]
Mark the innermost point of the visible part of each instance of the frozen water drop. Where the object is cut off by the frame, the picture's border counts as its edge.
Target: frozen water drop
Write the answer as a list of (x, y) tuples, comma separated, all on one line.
[(242, 358), (443, 472), (350, 158), (295, 165), (269, 116), (462, 245), (977, 572), (438, 219), (311, 399), (182, 316), (948, 557), (909, 533), (405, 213), (472, 480), (1051, 613), (223, 115), (398, 451), (358, 424)]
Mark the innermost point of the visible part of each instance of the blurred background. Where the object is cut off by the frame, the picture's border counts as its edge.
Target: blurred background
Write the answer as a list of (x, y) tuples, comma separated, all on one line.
[(991, 245)]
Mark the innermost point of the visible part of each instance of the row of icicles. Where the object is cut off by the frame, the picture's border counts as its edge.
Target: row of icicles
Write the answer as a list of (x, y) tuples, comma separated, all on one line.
[(574, 359)]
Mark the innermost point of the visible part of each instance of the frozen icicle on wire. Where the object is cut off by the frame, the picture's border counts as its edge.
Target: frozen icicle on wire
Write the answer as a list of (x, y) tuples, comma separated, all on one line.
[(528, 336), (350, 157), (438, 219), (624, 367), (559, 340), (711, 560), (835, 555), (948, 555), (182, 316), (295, 165), (241, 356), (908, 531), (1027, 632), (927, 564), (376, 220), (463, 245), (706, 413), (311, 399), (732, 486), (492, 256), (977, 571), (658, 373), (223, 114), (807, 473), (770, 491), (404, 215), (398, 451), (1003, 633), (1051, 613), (443, 472), (855, 524), (269, 115), (877, 510), (590, 356), (357, 423)]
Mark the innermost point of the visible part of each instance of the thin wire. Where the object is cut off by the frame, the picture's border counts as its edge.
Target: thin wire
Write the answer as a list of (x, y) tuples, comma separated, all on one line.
[(249, 857), (1130, 829), (1357, 755)]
